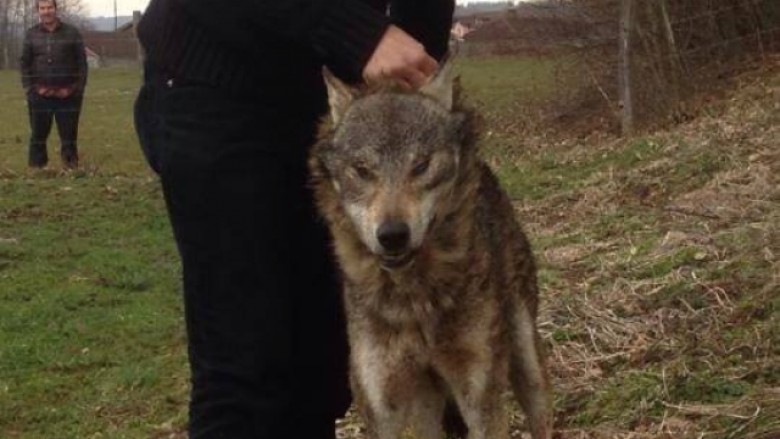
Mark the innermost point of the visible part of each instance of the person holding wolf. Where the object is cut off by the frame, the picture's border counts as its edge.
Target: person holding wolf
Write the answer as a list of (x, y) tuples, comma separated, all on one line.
[(232, 96), (54, 75)]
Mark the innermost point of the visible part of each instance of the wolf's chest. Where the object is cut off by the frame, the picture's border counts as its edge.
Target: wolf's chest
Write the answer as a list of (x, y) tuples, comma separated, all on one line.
[(400, 301), (416, 299)]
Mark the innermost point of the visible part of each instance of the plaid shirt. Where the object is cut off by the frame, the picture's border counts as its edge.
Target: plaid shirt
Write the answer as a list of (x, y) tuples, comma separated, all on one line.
[(54, 58)]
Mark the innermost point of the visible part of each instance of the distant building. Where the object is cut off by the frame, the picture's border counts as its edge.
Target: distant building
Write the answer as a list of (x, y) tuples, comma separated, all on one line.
[(109, 24), (529, 28), (113, 46), (93, 59)]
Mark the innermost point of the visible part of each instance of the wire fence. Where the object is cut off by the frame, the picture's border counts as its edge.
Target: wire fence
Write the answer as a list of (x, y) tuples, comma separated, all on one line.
[(624, 63), (633, 63)]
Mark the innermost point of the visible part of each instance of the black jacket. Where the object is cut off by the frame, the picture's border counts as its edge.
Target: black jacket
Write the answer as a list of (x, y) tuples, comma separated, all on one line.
[(54, 59), (276, 48)]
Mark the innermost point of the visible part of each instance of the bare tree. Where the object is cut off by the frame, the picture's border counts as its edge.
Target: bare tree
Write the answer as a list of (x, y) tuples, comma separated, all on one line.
[(18, 15), (74, 12), (626, 25), (4, 33), (14, 15)]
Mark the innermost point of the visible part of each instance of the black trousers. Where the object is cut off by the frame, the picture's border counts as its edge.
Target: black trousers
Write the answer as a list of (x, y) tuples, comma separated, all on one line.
[(265, 325), (65, 112)]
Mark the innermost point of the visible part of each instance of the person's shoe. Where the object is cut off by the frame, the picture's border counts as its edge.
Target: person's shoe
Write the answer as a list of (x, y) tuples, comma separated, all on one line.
[(71, 164), (37, 158), (70, 160)]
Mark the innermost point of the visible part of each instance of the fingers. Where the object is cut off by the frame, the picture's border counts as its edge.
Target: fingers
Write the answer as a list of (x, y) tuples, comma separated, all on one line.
[(416, 78), (409, 78), (422, 70), (428, 66), (401, 59)]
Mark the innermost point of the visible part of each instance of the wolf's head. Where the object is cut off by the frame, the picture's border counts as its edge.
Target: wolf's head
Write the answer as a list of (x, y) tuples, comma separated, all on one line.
[(391, 160)]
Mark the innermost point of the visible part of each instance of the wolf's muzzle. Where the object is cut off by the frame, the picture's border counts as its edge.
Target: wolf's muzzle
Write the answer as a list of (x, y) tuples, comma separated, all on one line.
[(393, 236)]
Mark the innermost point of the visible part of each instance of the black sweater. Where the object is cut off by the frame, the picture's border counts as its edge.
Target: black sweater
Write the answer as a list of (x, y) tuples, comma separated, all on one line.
[(275, 49), (54, 59)]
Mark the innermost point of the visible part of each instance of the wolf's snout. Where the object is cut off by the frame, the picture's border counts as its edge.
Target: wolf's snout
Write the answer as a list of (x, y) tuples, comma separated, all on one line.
[(393, 235)]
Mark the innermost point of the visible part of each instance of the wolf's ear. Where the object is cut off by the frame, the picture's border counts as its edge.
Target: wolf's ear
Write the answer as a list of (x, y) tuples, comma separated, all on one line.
[(340, 95), (441, 87)]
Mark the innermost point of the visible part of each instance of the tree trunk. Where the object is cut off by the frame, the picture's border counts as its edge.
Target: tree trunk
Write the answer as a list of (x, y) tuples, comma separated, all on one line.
[(670, 39), (4, 33), (139, 48), (626, 24)]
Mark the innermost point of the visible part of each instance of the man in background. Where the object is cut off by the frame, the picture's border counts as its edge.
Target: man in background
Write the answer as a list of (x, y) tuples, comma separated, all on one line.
[(54, 74)]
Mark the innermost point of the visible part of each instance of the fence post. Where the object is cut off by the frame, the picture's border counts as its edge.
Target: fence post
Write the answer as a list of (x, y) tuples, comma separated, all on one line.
[(626, 24), (139, 49), (624, 74)]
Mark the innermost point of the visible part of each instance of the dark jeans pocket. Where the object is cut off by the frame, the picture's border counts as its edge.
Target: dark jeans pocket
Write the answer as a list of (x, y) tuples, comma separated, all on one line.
[(147, 124)]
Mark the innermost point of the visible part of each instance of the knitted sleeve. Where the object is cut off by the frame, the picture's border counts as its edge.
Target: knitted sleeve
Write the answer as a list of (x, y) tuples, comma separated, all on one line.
[(344, 33), (428, 21)]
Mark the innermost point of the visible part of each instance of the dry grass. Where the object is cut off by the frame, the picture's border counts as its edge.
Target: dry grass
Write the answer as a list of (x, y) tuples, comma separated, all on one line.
[(660, 269), (663, 319)]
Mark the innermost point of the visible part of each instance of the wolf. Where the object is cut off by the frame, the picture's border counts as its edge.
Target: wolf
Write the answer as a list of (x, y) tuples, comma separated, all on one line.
[(440, 286)]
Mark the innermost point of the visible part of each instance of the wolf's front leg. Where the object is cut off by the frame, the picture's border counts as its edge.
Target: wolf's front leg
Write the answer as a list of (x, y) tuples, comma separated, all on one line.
[(528, 375), (428, 410), (478, 395), (384, 387)]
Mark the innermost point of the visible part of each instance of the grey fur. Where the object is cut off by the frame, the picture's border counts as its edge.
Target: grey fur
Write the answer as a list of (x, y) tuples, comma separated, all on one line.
[(451, 312)]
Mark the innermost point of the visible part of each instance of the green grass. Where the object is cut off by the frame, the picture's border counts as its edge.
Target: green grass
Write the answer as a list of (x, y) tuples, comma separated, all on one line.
[(548, 176), (503, 83), (91, 340), (637, 323), (106, 133)]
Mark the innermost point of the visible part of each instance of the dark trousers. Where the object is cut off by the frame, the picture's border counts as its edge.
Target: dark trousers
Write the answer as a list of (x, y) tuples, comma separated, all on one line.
[(43, 111), (265, 326)]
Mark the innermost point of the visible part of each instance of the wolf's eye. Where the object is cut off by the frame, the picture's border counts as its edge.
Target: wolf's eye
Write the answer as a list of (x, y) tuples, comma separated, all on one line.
[(420, 168), (363, 172)]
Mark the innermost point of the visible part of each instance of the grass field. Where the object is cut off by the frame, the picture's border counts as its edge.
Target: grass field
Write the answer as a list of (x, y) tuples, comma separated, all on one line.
[(91, 341), (659, 255)]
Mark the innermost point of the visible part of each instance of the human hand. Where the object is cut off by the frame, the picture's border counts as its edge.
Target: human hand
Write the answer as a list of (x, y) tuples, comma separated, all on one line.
[(44, 91), (400, 58), (63, 92)]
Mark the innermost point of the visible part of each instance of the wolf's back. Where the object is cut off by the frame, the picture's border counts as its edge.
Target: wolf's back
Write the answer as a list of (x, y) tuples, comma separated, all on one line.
[(511, 252)]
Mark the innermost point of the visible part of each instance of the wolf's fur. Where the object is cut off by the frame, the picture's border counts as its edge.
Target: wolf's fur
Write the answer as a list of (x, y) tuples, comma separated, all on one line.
[(446, 307)]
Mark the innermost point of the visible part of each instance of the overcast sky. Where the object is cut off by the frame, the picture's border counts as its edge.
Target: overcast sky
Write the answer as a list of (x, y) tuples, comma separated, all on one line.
[(105, 8)]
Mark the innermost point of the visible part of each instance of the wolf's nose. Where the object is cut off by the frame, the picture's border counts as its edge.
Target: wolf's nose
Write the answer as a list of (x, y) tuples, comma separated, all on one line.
[(393, 235)]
